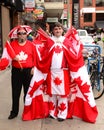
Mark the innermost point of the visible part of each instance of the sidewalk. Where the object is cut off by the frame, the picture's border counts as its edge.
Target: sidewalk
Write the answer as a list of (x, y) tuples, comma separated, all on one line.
[(40, 124)]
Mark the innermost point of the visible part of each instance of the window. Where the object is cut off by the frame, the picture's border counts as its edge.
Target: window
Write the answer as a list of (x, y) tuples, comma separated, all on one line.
[(82, 33), (88, 17), (99, 3), (87, 2), (100, 17)]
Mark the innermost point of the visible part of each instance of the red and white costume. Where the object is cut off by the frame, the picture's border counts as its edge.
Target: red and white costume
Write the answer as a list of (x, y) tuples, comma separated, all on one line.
[(70, 67), (58, 80)]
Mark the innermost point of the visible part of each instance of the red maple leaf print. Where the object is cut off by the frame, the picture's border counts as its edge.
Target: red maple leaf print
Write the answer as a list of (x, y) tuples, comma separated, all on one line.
[(57, 81), (83, 88), (62, 107), (51, 106), (58, 49)]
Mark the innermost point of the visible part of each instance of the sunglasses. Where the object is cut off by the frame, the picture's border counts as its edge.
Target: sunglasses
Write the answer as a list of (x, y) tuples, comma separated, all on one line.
[(21, 33)]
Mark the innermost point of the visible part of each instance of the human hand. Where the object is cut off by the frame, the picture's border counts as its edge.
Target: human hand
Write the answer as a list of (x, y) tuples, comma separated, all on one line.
[(32, 71), (16, 58)]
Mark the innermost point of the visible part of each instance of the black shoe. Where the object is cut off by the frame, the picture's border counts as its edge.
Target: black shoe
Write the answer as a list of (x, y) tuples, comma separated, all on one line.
[(60, 119), (11, 116), (51, 117)]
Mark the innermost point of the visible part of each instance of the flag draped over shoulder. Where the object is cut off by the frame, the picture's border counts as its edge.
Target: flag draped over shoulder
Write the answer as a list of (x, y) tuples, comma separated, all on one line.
[(81, 103)]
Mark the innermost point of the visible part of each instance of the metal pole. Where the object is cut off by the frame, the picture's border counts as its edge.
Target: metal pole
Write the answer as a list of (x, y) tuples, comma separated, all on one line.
[(68, 13)]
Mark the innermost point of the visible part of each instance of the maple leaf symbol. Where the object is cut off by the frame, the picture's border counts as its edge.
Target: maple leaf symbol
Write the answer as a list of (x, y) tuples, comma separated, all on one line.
[(58, 49), (22, 56), (51, 106), (57, 81), (83, 88), (62, 107)]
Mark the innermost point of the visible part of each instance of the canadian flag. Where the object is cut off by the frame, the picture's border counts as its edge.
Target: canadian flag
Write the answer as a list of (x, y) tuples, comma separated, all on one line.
[(7, 56), (36, 103), (81, 103)]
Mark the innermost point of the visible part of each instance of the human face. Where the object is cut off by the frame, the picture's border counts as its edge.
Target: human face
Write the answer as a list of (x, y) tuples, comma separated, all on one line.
[(57, 31), (22, 36)]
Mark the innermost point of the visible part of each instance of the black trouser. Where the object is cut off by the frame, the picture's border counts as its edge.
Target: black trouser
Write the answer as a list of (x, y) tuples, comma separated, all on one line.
[(19, 78)]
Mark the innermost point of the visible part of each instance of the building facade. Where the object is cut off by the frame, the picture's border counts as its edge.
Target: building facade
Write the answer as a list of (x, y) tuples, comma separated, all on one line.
[(77, 13), (91, 13), (9, 10)]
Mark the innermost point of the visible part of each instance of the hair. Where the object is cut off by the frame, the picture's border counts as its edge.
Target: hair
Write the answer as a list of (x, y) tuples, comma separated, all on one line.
[(57, 24)]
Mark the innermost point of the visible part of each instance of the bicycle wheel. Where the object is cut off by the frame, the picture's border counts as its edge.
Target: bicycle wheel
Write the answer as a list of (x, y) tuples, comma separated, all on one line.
[(97, 83)]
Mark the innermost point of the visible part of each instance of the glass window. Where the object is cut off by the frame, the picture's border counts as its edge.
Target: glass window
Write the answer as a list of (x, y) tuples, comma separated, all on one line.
[(87, 2), (100, 17), (82, 33), (99, 3), (88, 17)]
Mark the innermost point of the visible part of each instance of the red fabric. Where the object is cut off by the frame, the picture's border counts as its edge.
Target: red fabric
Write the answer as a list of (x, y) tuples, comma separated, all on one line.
[(81, 100), (39, 109), (3, 63), (35, 86), (10, 50), (42, 35), (74, 62), (27, 54), (83, 110), (67, 82), (45, 63), (13, 33)]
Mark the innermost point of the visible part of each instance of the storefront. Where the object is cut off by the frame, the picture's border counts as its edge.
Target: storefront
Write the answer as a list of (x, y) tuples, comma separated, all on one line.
[(90, 12), (9, 11)]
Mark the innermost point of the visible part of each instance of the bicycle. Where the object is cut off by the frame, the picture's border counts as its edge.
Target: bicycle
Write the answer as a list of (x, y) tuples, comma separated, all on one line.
[(95, 67), (97, 78)]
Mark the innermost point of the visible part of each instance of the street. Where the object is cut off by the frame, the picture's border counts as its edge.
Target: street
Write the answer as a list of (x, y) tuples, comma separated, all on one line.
[(40, 124)]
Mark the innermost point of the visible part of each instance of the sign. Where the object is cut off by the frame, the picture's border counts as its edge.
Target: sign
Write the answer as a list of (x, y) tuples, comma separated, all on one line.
[(39, 12), (76, 15), (52, 20), (64, 14), (88, 10), (29, 5)]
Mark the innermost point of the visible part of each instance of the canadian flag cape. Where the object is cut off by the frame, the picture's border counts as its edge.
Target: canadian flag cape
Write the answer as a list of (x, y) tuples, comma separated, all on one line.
[(81, 103)]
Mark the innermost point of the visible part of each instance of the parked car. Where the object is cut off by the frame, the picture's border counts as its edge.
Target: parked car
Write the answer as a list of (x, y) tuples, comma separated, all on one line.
[(86, 40), (84, 37), (82, 32)]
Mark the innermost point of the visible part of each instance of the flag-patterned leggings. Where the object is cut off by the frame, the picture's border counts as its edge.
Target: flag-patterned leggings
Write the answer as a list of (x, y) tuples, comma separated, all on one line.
[(58, 106)]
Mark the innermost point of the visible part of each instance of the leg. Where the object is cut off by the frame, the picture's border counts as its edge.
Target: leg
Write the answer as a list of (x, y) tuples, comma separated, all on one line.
[(26, 80), (52, 106), (62, 108), (16, 90)]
